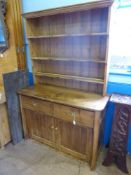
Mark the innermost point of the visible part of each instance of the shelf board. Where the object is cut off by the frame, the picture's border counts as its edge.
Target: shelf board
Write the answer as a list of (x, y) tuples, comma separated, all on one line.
[(70, 77), (67, 59), (67, 35)]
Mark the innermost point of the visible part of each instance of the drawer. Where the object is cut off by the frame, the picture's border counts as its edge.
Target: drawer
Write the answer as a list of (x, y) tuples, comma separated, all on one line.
[(68, 113), (65, 112), (87, 117), (37, 105)]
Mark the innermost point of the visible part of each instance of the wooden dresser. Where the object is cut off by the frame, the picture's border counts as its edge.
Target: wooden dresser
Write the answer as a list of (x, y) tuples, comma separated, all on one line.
[(67, 120), (69, 48)]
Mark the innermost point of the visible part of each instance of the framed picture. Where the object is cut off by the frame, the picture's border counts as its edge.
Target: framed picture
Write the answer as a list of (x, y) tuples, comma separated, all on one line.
[(3, 27)]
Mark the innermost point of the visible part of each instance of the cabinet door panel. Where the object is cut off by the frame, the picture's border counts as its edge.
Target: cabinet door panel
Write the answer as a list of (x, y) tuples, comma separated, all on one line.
[(39, 126), (75, 140)]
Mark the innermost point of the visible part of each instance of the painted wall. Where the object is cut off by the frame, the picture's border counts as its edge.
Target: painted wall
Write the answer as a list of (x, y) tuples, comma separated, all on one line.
[(30, 6)]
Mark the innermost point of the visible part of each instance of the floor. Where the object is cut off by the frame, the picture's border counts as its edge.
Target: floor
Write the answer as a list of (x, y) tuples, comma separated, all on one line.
[(32, 158)]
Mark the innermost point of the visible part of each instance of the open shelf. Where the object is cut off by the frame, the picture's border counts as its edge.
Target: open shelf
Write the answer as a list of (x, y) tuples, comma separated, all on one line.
[(70, 77), (67, 35), (68, 59), (70, 49)]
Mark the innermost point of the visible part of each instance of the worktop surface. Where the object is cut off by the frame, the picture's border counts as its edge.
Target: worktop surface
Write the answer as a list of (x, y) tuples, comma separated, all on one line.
[(90, 101)]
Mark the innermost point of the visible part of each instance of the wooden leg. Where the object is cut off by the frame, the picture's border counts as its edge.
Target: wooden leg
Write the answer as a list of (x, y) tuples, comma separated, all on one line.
[(109, 159), (95, 139), (2, 146), (121, 163), (119, 160)]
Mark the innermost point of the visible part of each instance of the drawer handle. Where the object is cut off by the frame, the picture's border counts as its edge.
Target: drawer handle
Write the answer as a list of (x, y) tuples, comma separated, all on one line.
[(34, 104), (56, 129), (52, 127), (74, 118)]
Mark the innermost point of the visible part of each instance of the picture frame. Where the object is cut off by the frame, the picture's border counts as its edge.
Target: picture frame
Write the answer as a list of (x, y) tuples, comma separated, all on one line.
[(4, 34)]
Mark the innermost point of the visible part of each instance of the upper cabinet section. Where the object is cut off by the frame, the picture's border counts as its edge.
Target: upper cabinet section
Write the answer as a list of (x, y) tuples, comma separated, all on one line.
[(69, 46)]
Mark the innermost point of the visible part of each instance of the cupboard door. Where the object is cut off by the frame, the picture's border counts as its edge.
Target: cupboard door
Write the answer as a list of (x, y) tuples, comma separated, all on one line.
[(73, 139), (40, 127)]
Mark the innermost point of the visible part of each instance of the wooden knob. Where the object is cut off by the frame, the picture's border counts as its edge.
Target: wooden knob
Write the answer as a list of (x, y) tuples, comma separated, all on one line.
[(34, 104), (74, 122), (52, 127), (73, 114), (56, 129)]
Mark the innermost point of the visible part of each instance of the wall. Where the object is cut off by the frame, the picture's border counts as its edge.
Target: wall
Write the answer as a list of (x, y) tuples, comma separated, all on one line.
[(7, 64), (9, 61), (29, 5)]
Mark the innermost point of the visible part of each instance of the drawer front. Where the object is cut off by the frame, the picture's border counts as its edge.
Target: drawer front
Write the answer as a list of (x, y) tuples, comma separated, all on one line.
[(71, 114), (66, 112), (37, 105), (87, 117)]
